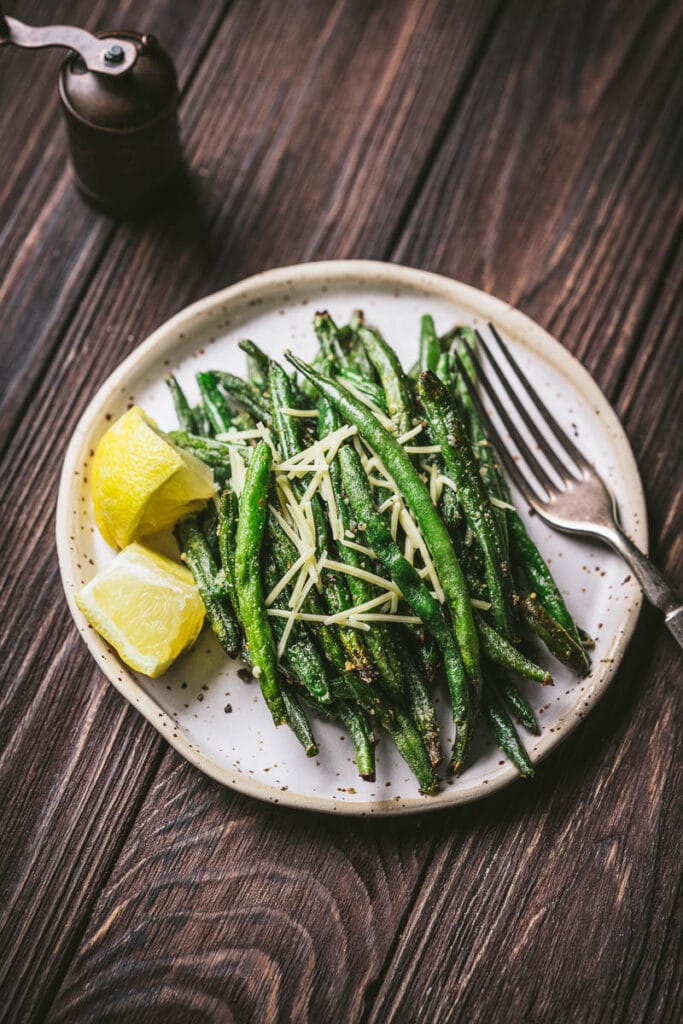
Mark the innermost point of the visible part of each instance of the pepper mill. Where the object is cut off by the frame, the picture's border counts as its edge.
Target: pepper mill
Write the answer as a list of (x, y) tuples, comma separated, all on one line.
[(119, 95)]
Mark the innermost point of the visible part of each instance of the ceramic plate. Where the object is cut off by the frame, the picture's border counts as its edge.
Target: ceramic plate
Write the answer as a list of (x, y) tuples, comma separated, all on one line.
[(219, 723)]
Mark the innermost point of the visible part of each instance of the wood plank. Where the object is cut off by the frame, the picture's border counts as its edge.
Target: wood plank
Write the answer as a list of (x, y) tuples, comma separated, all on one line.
[(51, 242), (558, 187), (245, 948), (264, 64), (53, 848)]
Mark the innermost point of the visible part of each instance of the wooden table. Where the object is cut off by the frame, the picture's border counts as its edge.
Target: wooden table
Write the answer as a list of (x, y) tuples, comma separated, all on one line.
[(531, 148)]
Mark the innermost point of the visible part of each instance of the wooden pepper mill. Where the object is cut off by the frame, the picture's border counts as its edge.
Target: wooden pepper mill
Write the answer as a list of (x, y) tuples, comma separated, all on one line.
[(119, 95)]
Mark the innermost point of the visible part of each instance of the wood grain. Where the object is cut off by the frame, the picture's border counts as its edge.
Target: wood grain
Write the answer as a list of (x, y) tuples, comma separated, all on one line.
[(264, 916), (529, 148), (52, 734)]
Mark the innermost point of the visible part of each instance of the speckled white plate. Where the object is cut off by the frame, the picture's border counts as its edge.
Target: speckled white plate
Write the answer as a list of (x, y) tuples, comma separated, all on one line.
[(201, 706)]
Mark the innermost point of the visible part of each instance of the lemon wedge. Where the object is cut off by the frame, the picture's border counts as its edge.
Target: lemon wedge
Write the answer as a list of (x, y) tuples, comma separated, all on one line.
[(146, 606), (142, 482)]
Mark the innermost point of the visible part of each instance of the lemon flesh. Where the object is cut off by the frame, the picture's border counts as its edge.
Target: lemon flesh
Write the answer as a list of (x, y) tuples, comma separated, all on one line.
[(146, 606), (142, 482)]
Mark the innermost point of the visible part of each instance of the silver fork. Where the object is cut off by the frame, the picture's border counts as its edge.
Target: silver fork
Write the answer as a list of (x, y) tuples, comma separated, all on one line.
[(574, 498)]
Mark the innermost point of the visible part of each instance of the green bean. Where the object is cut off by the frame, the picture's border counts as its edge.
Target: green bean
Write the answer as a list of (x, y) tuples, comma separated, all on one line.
[(228, 515), (498, 650), (216, 408), (525, 552), (557, 640), (504, 732), (196, 554), (356, 355), (245, 394), (448, 431), (202, 425), (298, 721), (356, 723), (411, 748), (208, 522), (214, 453), (328, 338), (430, 348), (392, 377), (253, 508), (518, 704), (257, 362), (427, 651), (444, 370), (413, 589), (181, 404), (422, 710), (433, 529)]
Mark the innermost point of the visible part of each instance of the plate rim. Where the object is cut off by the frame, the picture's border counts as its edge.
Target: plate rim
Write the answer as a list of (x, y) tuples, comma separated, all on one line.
[(163, 338)]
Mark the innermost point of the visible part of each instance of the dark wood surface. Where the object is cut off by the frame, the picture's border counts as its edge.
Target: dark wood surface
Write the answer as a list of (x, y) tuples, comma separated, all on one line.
[(528, 147)]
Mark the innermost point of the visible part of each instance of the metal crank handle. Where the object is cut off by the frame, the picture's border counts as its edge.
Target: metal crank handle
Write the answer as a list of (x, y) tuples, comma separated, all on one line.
[(107, 56)]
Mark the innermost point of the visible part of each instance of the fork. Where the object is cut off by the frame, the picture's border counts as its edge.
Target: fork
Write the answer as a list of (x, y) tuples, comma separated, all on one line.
[(567, 492)]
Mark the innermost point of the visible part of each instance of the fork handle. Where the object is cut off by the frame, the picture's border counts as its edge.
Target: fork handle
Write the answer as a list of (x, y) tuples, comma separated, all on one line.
[(656, 587)]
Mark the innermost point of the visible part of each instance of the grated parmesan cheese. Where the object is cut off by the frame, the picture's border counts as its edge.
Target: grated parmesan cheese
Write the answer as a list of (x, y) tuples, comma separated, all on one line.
[(497, 503)]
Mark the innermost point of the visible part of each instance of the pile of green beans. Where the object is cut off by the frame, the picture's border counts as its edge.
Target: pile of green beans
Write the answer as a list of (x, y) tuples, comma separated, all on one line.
[(467, 587)]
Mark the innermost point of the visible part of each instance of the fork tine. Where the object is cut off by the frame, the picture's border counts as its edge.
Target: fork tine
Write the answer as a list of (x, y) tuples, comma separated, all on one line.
[(514, 471), (576, 456), (522, 447), (551, 455)]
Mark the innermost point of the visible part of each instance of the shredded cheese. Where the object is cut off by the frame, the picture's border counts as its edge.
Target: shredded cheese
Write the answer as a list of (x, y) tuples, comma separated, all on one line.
[(282, 646), (339, 617), (483, 605), (410, 434), (502, 504), (237, 471), (361, 574), (303, 413), (395, 515), (265, 435), (355, 623), (358, 547), (306, 454), (422, 449), (412, 531), (380, 617), (289, 575), (447, 482), (378, 482), (236, 436)]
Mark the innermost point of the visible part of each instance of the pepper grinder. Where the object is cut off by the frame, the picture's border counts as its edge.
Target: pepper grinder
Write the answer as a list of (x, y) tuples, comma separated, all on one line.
[(119, 95)]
